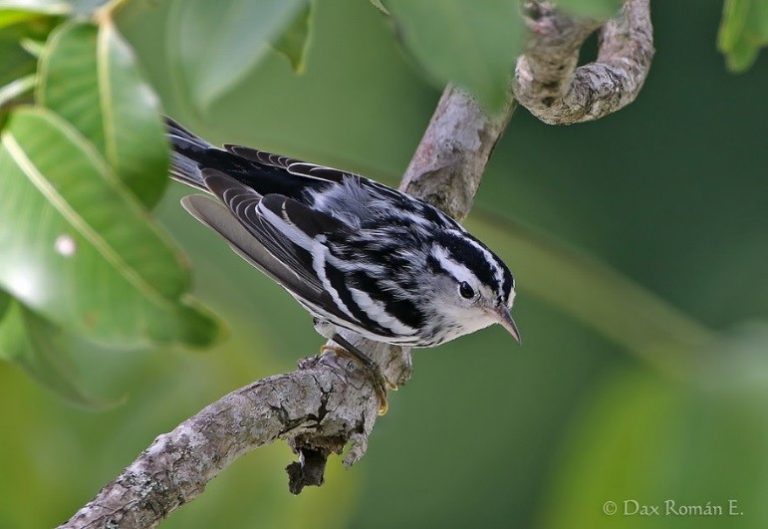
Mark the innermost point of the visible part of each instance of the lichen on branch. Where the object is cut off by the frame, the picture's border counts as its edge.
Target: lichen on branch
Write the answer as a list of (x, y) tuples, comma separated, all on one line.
[(551, 85)]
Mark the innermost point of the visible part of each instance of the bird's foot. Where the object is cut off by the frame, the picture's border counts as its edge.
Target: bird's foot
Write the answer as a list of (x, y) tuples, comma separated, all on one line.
[(379, 381)]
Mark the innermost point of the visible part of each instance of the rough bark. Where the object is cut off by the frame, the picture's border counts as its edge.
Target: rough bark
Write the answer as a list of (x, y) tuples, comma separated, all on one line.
[(449, 162), (328, 402), (551, 86)]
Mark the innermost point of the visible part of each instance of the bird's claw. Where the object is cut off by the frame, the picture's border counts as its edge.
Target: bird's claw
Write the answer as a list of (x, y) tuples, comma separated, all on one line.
[(379, 381)]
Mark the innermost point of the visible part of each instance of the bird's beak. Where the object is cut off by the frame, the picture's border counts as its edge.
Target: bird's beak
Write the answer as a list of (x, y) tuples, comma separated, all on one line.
[(506, 321)]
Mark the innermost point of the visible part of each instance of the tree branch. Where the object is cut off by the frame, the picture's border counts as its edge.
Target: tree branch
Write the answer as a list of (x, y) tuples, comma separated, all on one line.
[(450, 160), (328, 402), (547, 80)]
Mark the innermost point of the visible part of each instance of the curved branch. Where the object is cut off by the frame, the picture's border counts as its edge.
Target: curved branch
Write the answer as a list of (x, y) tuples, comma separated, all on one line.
[(547, 80), (328, 401)]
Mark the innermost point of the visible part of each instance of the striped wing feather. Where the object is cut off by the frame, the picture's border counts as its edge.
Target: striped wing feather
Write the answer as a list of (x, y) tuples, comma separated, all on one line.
[(218, 218), (274, 233), (290, 165)]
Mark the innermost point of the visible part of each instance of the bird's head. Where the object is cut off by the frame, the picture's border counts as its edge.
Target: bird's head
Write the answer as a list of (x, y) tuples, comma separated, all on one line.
[(472, 288)]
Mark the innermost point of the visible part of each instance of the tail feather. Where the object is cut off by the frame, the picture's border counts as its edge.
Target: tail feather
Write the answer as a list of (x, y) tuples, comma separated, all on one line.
[(264, 172), (187, 149), (176, 130)]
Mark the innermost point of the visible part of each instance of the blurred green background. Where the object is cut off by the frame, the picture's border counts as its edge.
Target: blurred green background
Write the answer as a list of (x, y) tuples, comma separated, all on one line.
[(615, 394)]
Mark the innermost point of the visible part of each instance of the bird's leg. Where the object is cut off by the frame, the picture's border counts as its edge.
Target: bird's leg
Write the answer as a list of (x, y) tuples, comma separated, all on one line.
[(380, 383)]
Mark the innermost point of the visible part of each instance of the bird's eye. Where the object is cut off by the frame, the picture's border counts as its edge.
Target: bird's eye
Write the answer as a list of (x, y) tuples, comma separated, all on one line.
[(465, 290)]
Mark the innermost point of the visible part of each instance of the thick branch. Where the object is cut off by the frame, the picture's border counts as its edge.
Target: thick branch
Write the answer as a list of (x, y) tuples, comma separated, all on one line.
[(551, 86), (450, 160), (319, 401), (327, 402)]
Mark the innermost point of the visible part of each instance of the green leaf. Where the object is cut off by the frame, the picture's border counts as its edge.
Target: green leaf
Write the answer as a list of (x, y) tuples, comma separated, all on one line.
[(380, 6), (43, 351), (743, 31), (471, 44), (89, 76), (5, 302), (79, 249), (36, 6), (16, 62), (15, 11), (652, 440), (213, 45), (33, 47), (8, 17), (293, 42), (15, 89)]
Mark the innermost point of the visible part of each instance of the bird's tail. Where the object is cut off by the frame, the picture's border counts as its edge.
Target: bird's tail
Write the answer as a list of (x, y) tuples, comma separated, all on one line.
[(187, 150)]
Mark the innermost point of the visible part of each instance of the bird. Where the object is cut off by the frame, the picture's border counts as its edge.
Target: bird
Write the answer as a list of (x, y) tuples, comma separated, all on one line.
[(361, 257)]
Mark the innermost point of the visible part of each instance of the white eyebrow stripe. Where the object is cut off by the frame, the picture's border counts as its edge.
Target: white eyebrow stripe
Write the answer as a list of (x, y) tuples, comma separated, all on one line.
[(497, 270), (458, 271)]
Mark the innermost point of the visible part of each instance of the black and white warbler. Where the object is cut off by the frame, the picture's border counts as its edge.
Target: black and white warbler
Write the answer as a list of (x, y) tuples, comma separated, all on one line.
[(358, 255)]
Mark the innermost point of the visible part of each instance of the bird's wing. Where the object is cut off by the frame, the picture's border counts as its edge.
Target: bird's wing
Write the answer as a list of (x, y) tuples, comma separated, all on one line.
[(290, 165), (217, 217), (315, 176), (277, 234)]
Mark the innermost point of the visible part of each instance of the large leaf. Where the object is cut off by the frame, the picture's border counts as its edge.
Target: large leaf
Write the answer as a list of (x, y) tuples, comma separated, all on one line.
[(9, 17), (5, 303), (39, 6), (42, 350), (651, 441), (79, 249), (15, 89), (743, 31), (378, 4), (293, 42), (472, 44), (18, 28), (57, 7), (213, 45), (15, 11), (89, 76), (15, 62)]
